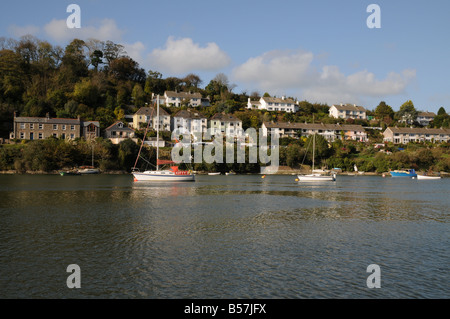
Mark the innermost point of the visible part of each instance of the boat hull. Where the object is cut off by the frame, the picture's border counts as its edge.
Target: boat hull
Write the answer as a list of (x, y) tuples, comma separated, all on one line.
[(408, 173), (163, 176), (89, 171), (425, 177), (316, 178)]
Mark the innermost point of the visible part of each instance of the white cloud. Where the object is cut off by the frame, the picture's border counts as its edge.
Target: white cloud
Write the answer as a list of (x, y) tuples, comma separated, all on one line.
[(107, 30), (183, 55), (19, 31), (277, 72)]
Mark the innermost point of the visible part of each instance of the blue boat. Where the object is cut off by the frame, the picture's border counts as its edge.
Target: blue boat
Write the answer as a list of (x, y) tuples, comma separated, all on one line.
[(403, 173)]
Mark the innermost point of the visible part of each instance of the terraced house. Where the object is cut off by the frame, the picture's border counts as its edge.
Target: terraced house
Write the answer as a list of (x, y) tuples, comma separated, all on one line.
[(190, 122), (227, 124), (38, 128), (174, 98), (330, 132), (347, 111), (274, 104), (404, 135)]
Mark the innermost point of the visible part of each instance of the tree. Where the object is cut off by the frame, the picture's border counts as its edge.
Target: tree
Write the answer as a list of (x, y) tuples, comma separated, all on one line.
[(441, 111), (407, 112), (96, 58), (384, 111), (138, 95)]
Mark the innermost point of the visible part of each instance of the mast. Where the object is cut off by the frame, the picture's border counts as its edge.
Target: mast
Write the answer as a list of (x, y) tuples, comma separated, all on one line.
[(157, 131), (314, 147)]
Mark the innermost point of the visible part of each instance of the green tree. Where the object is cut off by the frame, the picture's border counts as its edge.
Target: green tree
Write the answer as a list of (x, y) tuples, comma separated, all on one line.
[(384, 111), (407, 112)]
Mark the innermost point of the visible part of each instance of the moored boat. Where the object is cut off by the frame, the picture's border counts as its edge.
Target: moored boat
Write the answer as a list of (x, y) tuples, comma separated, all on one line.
[(428, 177), (403, 173), (166, 175)]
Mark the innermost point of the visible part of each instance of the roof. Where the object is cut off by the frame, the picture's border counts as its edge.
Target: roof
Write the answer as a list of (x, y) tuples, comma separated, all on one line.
[(426, 114), (188, 114), (46, 120), (416, 130), (183, 95), (314, 126), (148, 111), (225, 117), (115, 126), (87, 123), (348, 107), (278, 100)]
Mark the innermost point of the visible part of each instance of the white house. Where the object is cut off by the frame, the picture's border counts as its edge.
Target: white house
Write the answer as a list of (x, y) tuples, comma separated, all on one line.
[(424, 118), (273, 104), (227, 124), (177, 98), (190, 122), (347, 111)]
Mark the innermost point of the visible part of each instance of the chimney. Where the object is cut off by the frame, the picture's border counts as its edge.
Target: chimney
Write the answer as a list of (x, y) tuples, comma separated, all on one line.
[(47, 115)]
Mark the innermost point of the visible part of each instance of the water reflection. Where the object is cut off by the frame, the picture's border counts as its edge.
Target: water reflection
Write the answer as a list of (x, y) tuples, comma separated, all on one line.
[(221, 237)]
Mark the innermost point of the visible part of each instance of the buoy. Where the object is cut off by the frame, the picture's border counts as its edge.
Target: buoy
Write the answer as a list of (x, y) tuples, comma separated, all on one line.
[(263, 176), (135, 179), (296, 179)]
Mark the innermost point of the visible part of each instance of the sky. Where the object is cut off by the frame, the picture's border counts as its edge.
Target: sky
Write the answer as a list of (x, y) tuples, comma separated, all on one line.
[(320, 51)]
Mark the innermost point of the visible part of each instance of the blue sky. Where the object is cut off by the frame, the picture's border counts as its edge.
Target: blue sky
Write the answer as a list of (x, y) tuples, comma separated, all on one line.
[(320, 51)]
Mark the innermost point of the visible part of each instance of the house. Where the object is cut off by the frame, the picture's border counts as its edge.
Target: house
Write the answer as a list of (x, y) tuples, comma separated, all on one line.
[(347, 111), (330, 132), (152, 141), (190, 122), (174, 98), (118, 132), (424, 118), (90, 129), (142, 116), (38, 128), (273, 104), (226, 124), (404, 135)]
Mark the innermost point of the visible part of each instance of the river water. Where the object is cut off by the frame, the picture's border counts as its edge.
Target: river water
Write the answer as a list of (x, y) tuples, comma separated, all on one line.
[(223, 237)]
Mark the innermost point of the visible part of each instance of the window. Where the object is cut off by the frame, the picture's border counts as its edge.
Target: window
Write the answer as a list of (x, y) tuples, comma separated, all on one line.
[(22, 125), (22, 135), (64, 127), (40, 136), (32, 126), (55, 126), (40, 126), (72, 127)]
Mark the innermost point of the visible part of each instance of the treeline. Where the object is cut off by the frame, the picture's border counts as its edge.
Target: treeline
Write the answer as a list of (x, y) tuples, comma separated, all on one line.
[(55, 154)]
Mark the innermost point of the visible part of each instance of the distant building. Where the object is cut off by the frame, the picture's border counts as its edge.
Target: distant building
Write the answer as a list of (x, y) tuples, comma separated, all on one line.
[(274, 104), (173, 98), (38, 128), (424, 118), (118, 132), (404, 135), (227, 124), (347, 111), (91, 129), (142, 116), (330, 132), (190, 122)]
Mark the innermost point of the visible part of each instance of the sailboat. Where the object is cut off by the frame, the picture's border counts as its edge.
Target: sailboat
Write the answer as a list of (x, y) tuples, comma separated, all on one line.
[(167, 175), (89, 169), (314, 177)]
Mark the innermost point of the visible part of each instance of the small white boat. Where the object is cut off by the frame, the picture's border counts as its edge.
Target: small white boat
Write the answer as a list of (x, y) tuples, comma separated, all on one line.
[(316, 178), (88, 170), (214, 173), (230, 173), (428, 177)]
